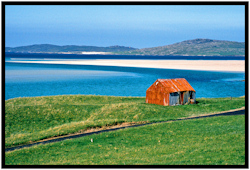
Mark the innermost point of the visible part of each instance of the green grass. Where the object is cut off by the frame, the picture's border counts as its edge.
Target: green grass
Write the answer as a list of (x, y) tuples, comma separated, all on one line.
[(208, 141), (32, 119)]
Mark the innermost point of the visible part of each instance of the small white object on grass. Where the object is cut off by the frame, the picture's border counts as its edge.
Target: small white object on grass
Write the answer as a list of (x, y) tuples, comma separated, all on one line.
[(91, 140)]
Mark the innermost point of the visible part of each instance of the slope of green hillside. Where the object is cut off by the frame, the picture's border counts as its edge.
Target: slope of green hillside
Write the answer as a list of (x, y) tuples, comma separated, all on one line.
[(34, 118), (209, 141)]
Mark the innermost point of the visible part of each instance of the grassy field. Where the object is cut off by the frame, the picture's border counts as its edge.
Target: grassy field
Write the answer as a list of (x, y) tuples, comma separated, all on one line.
[(32, 119), (208, 141)]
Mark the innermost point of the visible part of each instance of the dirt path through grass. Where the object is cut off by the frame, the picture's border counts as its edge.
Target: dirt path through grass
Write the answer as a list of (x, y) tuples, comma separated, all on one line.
[(239, 111)]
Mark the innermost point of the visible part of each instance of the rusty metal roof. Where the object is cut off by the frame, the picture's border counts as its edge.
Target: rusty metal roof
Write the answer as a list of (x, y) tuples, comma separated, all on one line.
[(174, 85)]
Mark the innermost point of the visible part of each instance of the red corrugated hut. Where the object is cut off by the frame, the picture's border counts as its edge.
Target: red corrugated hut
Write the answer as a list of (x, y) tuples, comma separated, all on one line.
[(169, 92)]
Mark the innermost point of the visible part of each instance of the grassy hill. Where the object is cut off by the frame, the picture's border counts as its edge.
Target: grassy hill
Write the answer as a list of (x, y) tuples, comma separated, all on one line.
[(48, 48), (35, 118), (196, 47), (209, 141)]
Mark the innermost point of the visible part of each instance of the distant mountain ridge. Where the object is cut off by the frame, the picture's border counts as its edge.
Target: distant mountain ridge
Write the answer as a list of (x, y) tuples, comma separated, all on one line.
[(49, 48), (196, 47)]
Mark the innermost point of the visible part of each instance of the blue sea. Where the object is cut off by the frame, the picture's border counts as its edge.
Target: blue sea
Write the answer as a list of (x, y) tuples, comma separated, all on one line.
[(28, 80)]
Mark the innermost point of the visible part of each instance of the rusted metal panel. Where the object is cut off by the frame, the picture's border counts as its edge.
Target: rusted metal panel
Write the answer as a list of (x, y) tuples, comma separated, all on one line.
[(166, 99), (175, 85), (183, 84)]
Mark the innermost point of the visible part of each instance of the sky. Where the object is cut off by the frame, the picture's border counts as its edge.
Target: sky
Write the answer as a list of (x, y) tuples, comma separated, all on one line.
[(138, 26)]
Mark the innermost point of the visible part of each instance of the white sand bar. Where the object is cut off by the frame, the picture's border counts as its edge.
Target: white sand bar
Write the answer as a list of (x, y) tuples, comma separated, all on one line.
[(208, 65)]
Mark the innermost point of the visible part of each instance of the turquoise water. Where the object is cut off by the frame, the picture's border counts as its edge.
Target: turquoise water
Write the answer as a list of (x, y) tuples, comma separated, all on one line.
[(28, 80)]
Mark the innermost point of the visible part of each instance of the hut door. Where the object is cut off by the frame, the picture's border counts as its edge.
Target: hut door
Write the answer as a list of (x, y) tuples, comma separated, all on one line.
[(174, 99), (181, 98)]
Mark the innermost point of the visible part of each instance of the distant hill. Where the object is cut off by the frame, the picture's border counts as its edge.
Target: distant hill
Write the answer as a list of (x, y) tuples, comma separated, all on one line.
[(196, 47), (48, 48)]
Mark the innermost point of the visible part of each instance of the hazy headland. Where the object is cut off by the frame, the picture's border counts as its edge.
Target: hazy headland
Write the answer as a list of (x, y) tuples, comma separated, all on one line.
[(196, 47)]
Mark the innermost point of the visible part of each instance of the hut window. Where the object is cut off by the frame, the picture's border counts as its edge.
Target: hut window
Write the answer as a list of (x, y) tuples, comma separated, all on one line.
[(174, 94)]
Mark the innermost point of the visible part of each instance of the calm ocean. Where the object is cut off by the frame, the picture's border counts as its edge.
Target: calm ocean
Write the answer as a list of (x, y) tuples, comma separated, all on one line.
[(27, 80)]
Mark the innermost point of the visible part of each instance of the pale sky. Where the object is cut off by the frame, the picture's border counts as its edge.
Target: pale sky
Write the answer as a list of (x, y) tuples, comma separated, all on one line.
[(136, 26)]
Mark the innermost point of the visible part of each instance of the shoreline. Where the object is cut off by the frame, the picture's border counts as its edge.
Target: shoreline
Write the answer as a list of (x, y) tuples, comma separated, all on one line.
[(201, 65), (115, 53)]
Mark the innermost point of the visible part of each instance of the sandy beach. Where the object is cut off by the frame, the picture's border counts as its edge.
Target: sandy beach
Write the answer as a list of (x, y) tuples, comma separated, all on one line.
[(208, 65)]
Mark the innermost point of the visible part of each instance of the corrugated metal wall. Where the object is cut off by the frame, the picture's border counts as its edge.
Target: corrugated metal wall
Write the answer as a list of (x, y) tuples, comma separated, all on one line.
[(186, 97), (181, 98), (174, 99), (157, 96)]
